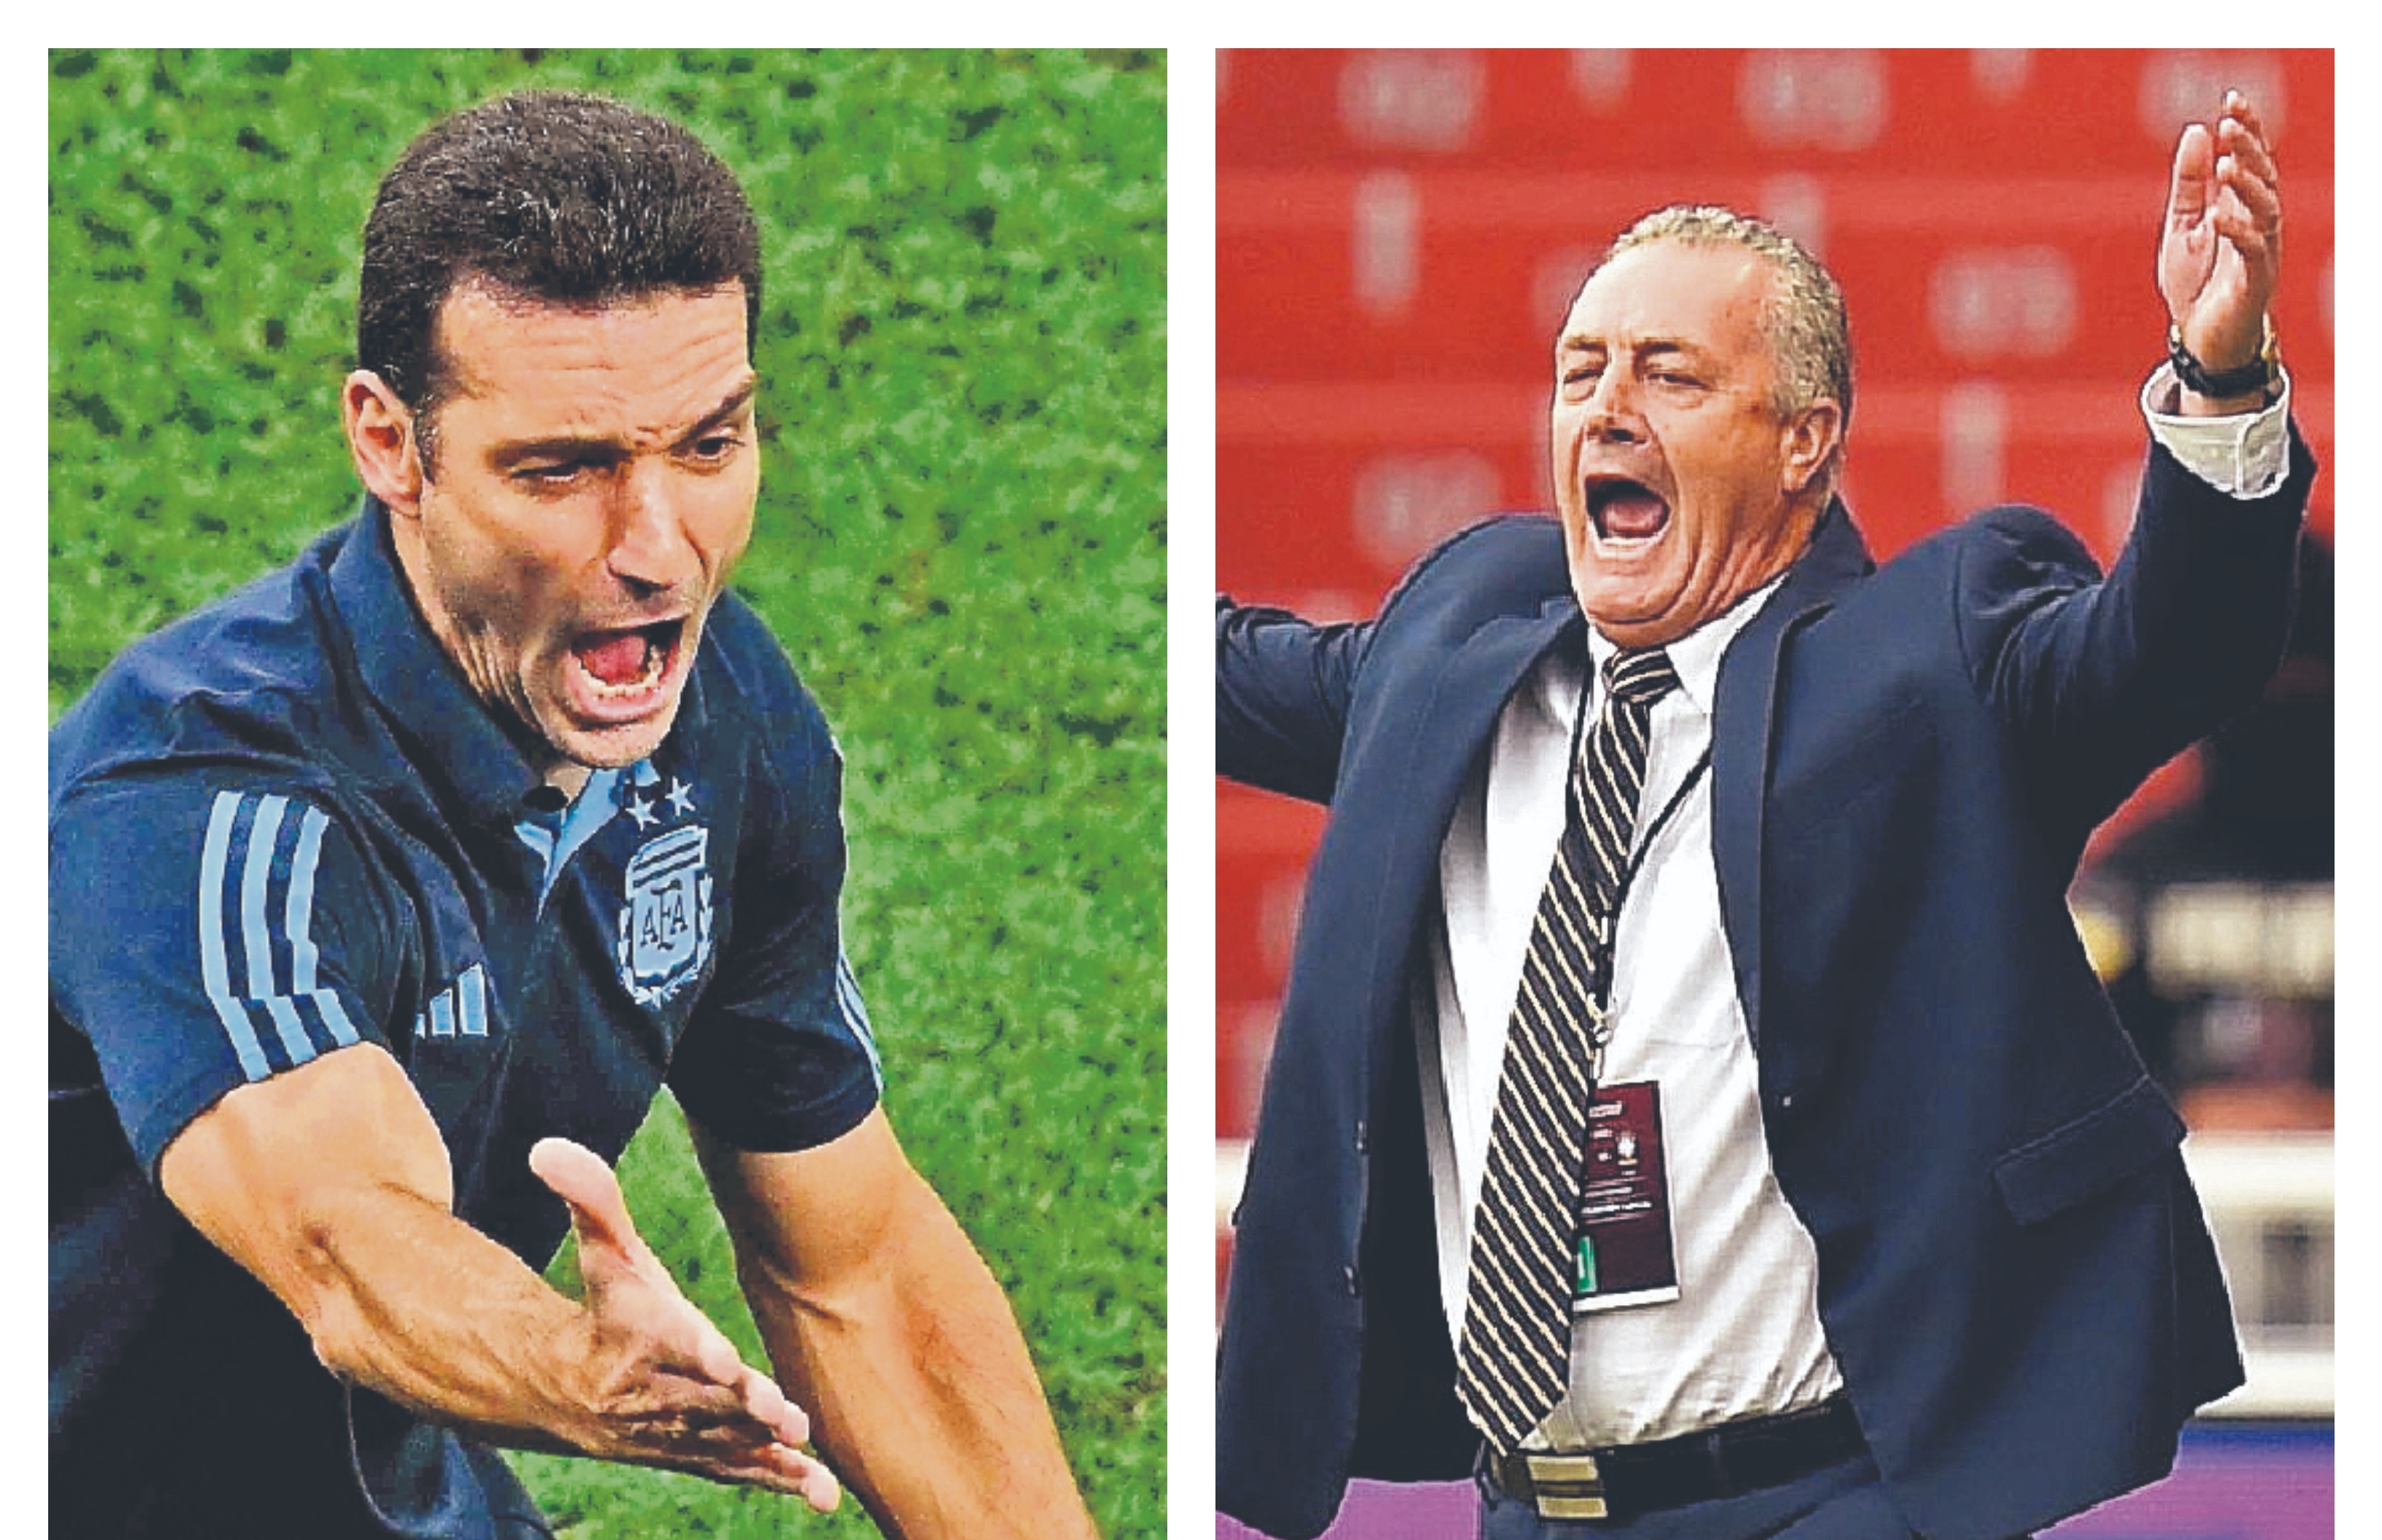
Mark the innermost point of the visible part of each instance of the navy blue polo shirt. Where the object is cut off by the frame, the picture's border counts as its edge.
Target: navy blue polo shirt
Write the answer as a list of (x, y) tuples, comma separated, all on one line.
[(283, 827)]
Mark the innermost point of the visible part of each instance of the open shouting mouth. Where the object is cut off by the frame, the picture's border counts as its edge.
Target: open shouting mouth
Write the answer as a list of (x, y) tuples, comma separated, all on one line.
[(1622, 509), (623, 672)]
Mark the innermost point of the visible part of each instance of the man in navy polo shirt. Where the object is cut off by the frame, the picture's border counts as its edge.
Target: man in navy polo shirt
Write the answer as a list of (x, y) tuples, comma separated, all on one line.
[(386, 893)]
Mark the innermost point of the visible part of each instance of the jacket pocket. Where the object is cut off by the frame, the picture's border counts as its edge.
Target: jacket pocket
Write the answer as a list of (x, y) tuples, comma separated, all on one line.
[(2083, 1159)]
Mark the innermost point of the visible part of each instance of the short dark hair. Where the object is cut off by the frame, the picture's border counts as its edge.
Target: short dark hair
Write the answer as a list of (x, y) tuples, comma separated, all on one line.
[(554, 196)]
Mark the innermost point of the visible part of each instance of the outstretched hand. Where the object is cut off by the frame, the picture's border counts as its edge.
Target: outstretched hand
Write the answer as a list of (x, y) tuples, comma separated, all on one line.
[(2222, 244), (671, 1390)]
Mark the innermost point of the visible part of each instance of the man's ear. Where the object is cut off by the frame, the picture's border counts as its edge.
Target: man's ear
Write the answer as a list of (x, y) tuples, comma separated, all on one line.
[(382, 442), (1811, 436)]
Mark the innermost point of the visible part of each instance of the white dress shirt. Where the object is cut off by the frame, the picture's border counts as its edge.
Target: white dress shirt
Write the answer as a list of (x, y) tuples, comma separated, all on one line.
[(1743, 1338)]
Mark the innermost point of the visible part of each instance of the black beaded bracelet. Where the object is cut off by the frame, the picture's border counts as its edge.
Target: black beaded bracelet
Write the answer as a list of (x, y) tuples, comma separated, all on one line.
[(2262, 374)]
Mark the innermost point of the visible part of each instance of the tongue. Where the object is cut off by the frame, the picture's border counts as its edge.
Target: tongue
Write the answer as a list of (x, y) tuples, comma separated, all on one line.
[(1633, 513), (615, 659)]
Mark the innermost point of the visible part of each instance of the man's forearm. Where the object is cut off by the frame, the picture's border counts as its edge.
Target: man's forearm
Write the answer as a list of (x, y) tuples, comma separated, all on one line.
[(919, 1386), (329, 1183), (423, 1308), (403, 1298)]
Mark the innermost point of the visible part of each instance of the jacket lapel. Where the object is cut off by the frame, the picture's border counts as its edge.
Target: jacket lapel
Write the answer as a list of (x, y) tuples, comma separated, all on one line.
[(1453, 715), (1744, 709)]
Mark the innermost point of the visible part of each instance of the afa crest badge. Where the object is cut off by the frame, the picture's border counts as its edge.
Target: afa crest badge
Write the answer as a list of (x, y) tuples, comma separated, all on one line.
[(665, 936)]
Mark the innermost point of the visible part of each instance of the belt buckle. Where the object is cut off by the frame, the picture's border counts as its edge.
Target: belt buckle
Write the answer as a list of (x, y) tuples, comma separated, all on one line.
[(1566, 1485)]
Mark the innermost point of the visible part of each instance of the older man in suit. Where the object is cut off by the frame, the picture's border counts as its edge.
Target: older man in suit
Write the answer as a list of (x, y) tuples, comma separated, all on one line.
[(1692, 1112)]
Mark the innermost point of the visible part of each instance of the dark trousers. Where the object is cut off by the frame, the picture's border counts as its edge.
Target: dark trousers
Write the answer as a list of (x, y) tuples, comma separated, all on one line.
[(1844, 1501)]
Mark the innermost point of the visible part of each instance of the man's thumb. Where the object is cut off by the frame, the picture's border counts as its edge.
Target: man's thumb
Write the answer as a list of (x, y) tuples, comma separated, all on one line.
[(579, 1176), (2195, 161)]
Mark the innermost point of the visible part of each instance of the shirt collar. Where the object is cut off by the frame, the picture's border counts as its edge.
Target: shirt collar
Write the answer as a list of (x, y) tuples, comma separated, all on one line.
[(1696, 657), (449, 732)]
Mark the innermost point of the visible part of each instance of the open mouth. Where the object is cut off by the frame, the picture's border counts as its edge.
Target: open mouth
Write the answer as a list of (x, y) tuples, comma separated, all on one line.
[(622, 666), (1624, 509)]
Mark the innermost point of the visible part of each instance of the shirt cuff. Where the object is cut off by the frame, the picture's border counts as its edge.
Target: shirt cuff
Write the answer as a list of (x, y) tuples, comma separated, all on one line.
[(2243, 456)]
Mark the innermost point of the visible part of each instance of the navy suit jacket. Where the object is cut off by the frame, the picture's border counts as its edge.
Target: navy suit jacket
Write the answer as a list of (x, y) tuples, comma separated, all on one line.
[(2014, 1273)]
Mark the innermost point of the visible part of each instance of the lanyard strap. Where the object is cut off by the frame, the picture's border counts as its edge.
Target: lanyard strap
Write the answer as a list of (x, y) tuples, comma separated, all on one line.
[(1630, 875), (1604, 948)]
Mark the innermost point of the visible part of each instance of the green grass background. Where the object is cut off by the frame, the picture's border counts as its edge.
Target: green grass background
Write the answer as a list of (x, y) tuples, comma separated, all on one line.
[(960, 541)]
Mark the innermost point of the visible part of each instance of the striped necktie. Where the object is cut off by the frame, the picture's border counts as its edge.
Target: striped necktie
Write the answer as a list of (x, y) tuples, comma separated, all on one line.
[(1513, 1363)]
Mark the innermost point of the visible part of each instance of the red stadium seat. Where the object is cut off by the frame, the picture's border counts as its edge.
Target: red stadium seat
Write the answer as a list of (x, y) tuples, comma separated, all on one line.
[(1436, 275), (1398, 236), (1964, 111)]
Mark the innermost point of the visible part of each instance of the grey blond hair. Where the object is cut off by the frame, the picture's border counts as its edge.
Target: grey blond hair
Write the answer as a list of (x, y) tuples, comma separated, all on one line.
[(1809, 340)]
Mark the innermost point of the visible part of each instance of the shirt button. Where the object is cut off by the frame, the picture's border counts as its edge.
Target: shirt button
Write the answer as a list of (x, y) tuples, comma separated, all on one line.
[(1349, 1273), (1360, 1136), (1787, 1101)]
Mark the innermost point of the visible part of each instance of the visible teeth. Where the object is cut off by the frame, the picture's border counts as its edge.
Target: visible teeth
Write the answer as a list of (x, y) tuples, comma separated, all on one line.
[(648, 677)]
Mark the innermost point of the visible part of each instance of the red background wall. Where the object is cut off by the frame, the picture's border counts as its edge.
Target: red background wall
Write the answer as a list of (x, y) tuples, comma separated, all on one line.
[(1398, 234)]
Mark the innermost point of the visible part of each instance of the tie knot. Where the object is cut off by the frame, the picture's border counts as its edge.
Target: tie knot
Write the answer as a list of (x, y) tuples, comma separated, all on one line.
[(1640, 677)]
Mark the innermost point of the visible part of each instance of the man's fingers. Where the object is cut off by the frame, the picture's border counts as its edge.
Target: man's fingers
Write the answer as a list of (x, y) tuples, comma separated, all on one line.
[(768, 1405), (756, 1443), (733, 1449), (707, 1410), (2252, 235), (2242, 110), (2249, 209), (2238, 140), (2224, 225), (2250, 212), (798, 1474), (668, 1335), (2256, 193), (628, 1288), (786, 1472), (818, 1486), (704, 1423), (752, 1410)]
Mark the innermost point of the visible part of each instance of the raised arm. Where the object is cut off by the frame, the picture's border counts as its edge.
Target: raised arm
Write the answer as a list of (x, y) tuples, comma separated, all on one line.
[(2102, 681), (329, 1183), (880, 1317), (1282, 697)]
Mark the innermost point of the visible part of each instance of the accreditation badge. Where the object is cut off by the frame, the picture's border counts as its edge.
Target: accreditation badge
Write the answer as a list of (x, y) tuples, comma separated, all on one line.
[(1624, 1248)]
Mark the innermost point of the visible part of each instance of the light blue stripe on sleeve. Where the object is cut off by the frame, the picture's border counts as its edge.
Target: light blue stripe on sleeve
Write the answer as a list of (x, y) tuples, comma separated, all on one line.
[(473, 988), (256, 931), (294, 1041), (442, 1014), (335, 1016), (254, 875), (855, 1014), (213, 961), (304, 958)]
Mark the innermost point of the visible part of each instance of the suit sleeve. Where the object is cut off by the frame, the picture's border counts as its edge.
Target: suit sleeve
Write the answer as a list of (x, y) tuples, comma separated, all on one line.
[(205, 935), (2100, 681), (1282, 687)]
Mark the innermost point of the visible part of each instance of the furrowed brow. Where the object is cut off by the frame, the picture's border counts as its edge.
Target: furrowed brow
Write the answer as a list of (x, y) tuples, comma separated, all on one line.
[(1634, 347), (560, 447), (604, 446), (733, 403), (1668, 349)]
